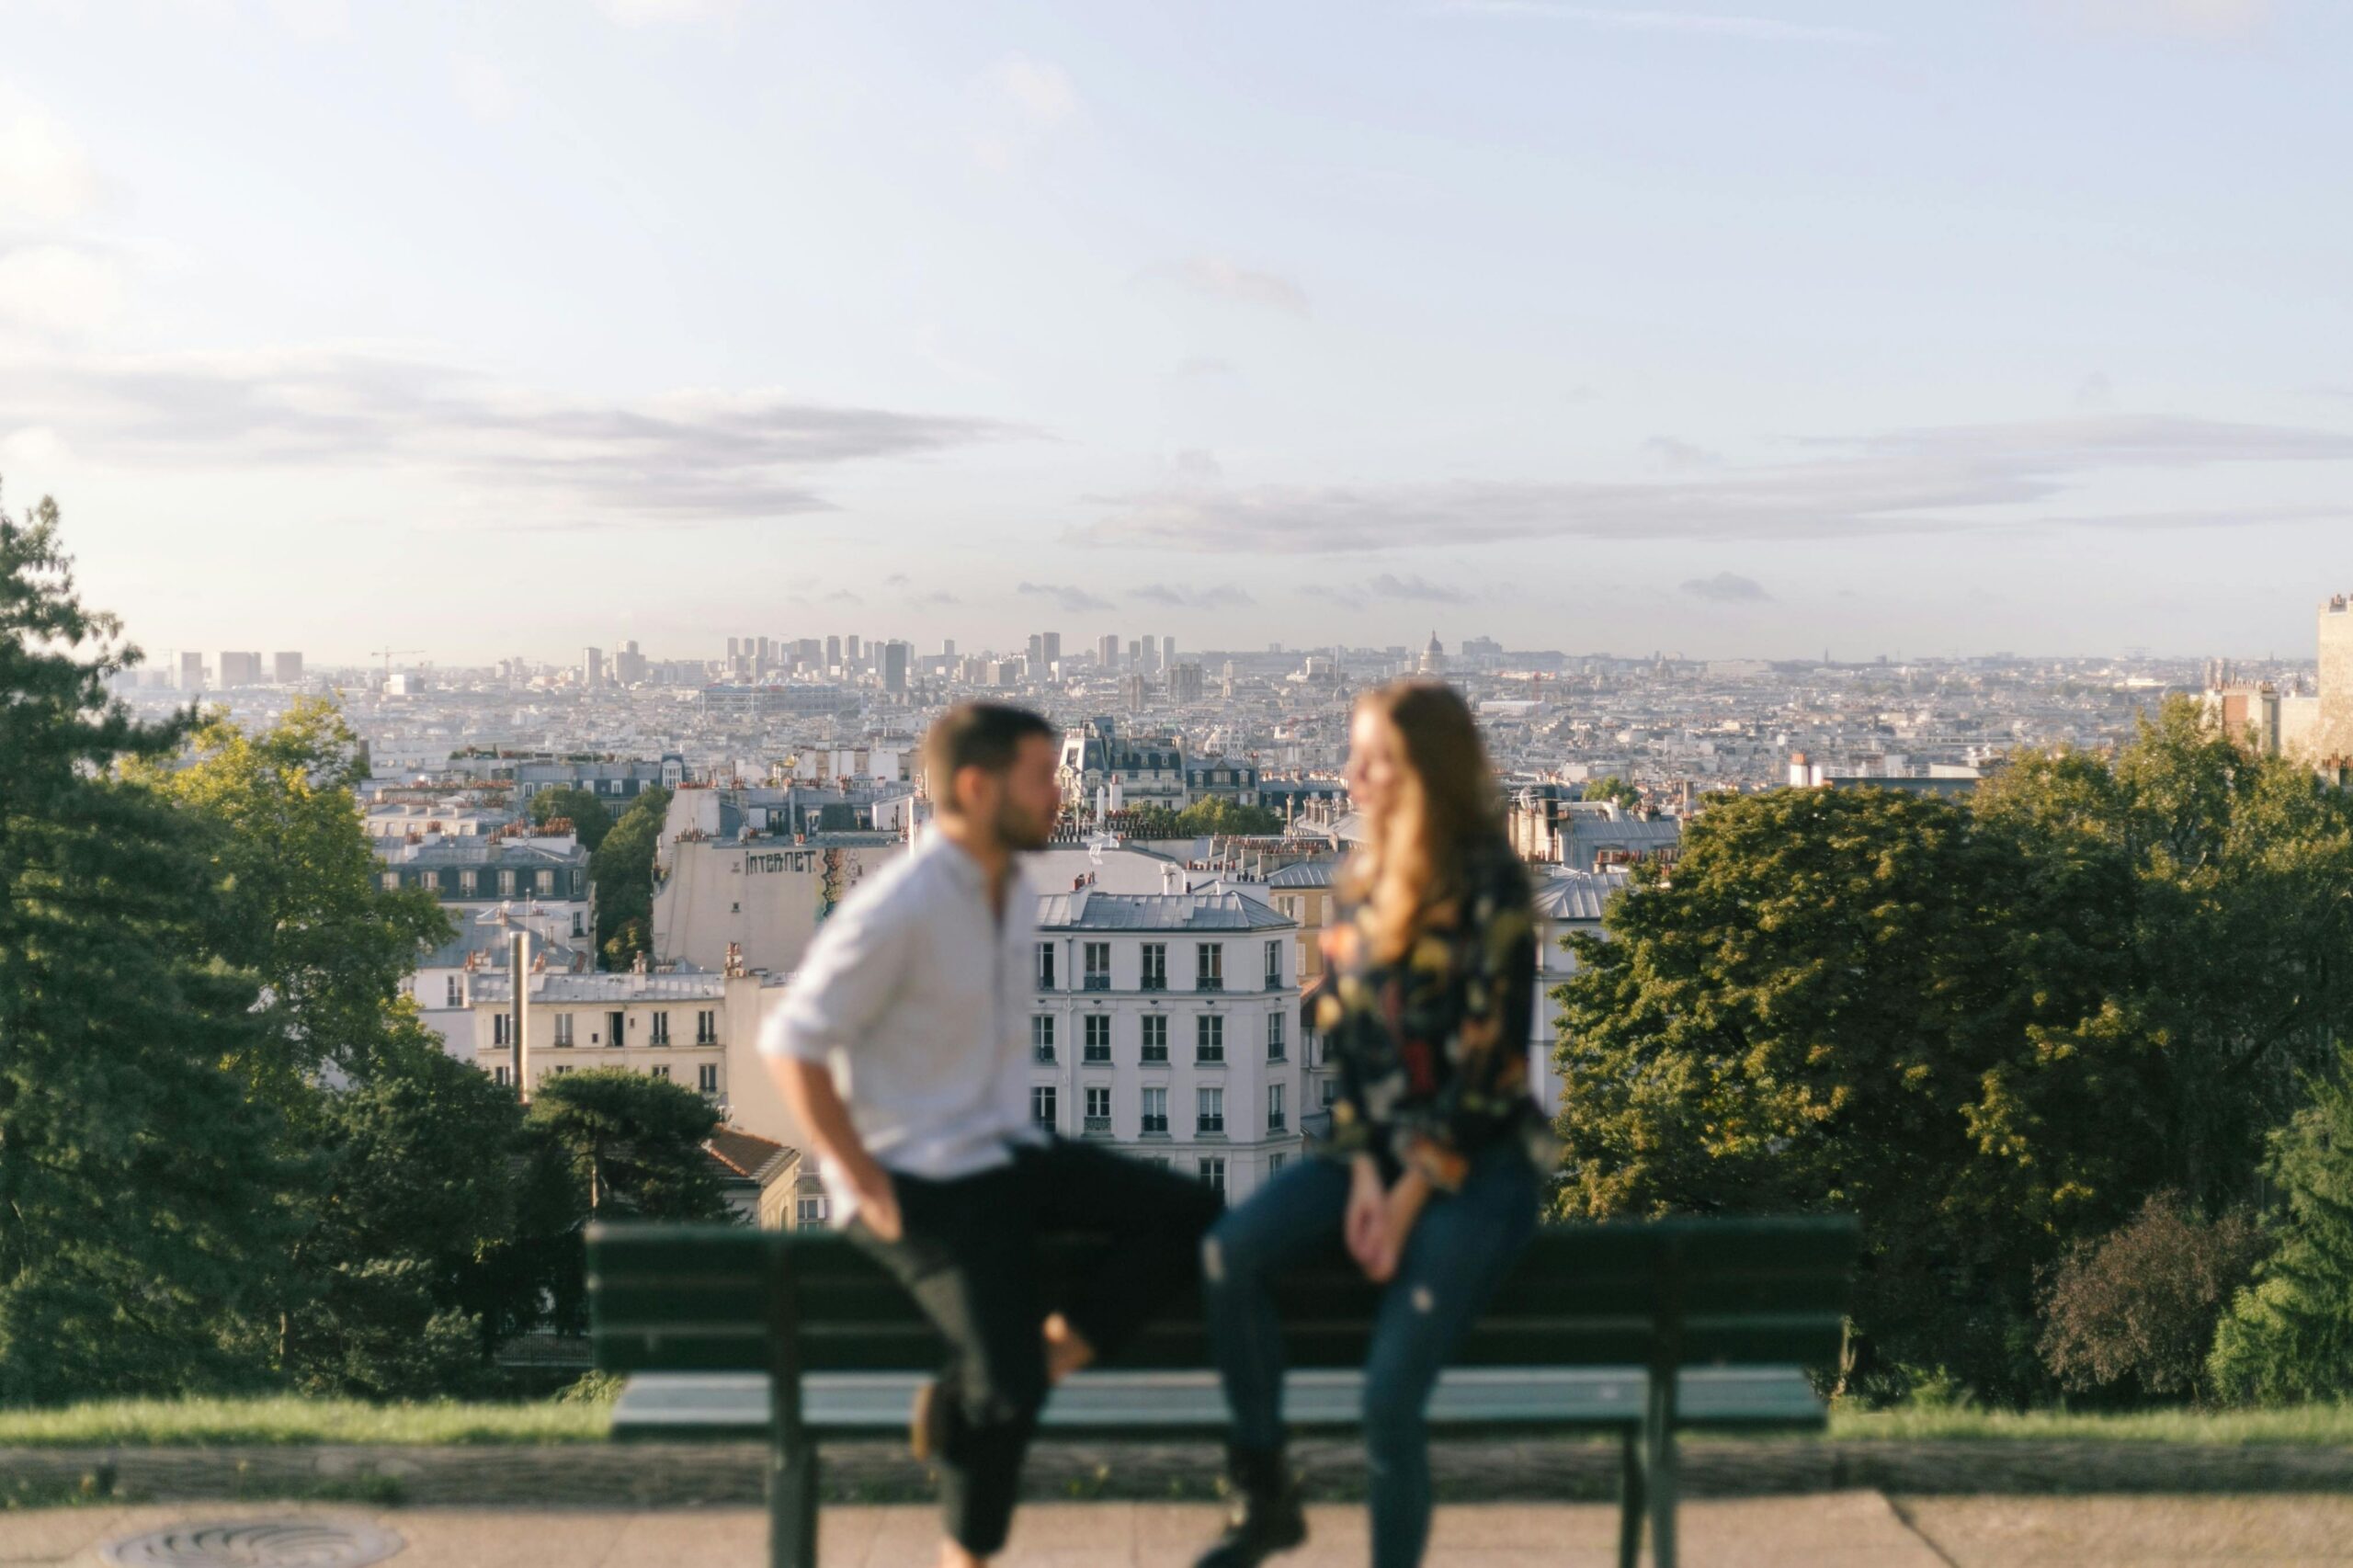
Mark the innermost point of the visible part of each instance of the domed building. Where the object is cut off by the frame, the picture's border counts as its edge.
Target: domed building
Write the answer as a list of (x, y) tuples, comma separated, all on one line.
[(1434, 657)]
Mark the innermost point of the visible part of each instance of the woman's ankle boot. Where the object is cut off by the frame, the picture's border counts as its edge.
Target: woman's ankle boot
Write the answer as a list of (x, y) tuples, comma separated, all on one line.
[(1267, 1516)]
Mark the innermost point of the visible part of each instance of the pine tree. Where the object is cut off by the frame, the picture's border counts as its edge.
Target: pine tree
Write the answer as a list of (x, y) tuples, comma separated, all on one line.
[(2289, 1335), (142, 1187)]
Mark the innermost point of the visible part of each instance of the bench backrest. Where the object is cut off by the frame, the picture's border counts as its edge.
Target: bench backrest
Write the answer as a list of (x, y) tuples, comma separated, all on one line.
[(1761, 1292)]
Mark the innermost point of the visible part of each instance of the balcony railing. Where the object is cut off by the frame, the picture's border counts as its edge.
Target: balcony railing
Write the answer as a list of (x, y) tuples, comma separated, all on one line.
[(1210, 982), (1099, 983), (1155, 982), (1275, 1122), (1211, 1127), (1210, 1056), (1097, 1056), (1043, 1055), (1154, 1056), (1155, 1127), (1097, 1126)]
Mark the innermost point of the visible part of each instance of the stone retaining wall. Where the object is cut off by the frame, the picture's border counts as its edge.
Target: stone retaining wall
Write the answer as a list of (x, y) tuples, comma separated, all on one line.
[(682, 1474)]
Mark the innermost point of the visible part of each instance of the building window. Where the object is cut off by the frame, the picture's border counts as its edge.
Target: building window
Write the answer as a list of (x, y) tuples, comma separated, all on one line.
[(1276, 1120), (660, 1035), (577, 929), (1274, 966), (1155, 1036), (1155, 966), (392, 882), (1098, 965), (1330, 1087), (1209, 967), (707, 1025), (1274, 1164), (498, 1074), (543, 883), (1210, 1111), (506, 884), (466, 883), (1274, 1037), (1209, 1037), (1213, 1173), (1041, 1039), (498, 1022), (1045, 966), (1098, 1038), (456, 992), (1099, 1109), (660, 1070), (1155, 1112), (811, 1208), (616, 1030), (707, 1077), (1041, 1105), (564, 1029)]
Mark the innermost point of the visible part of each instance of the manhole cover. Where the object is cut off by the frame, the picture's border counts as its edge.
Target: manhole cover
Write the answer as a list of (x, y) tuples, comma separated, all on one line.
[(256, 1543)]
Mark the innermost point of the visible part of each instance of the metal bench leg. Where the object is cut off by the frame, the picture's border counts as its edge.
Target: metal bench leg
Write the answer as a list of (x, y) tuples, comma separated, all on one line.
[(1630, 1498), (792, 1507), (1660, 1480)]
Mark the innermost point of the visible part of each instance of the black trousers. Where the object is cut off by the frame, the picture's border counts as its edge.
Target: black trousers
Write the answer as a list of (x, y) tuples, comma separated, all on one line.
[(967, 1253)]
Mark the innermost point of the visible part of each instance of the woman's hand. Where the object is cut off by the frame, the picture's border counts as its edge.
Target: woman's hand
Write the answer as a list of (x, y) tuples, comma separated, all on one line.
[(1400, 1209), (1368, 1212)]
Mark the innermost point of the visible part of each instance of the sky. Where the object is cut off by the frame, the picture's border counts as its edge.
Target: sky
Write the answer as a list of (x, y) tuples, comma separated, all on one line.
[(1759, 328)]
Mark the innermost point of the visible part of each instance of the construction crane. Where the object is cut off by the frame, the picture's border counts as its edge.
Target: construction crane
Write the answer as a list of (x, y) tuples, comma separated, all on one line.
[(387, 654)]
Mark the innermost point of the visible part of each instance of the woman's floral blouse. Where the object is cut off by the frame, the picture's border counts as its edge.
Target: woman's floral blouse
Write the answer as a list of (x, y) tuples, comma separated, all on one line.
[(1432, 1049)]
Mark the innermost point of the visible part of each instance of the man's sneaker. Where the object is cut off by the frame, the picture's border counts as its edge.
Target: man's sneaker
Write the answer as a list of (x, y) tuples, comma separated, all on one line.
[(928, 1423), (1267, 1517)]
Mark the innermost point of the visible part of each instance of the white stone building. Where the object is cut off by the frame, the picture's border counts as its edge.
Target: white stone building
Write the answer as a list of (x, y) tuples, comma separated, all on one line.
[(1167, 1026)]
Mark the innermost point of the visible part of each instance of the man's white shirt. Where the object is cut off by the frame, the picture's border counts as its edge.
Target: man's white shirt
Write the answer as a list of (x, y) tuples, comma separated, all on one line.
[(916, 996)]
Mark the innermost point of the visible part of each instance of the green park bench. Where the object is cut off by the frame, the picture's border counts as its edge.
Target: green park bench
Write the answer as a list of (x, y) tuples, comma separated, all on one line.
[(1636, 1330)]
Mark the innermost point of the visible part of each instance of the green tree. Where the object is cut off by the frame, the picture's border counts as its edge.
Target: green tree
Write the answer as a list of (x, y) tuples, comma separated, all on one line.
[(589, 818), (409, 1264), (2289, 1335), (143, 1193), (631, 1144), (305, 908), (1613, 787), (622, 868), (1990, 1030), (1213, 815)]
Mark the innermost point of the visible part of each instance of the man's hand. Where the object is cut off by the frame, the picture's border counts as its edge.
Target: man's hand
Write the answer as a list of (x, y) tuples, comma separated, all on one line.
[(878, 1200), (1368, 1213)]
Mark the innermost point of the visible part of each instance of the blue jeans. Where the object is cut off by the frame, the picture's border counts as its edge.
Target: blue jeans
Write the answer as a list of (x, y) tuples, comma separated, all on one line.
[(1458, 1252)]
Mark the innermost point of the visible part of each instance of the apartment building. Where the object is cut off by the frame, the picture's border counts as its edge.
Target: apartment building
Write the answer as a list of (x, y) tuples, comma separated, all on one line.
[(678, 1027), (1166, 1025)]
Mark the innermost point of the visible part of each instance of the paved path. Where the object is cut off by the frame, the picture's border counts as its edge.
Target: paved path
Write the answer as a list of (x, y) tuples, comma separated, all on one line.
[(1848, 1529)]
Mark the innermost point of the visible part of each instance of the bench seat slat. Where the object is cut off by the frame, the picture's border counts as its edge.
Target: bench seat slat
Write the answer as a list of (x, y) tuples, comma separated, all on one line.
[(1162, 1403)]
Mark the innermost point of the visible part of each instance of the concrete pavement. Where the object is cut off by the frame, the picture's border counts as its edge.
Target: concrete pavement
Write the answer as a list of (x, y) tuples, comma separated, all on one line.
[(1848, 1529)]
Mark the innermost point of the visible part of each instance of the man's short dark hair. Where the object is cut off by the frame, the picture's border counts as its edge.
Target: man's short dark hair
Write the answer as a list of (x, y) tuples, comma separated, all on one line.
[(977, 734)]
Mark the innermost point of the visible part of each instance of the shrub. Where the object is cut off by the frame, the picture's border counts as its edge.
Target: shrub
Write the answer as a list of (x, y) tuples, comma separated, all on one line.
[(2135, 1310), (2290, 1336)]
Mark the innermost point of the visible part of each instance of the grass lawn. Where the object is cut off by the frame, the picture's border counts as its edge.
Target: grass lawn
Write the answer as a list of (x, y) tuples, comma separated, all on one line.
[(153, 1423)]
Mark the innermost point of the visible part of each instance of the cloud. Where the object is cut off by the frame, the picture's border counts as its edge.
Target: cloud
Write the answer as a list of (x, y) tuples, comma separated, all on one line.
[(2096, 394), (1946, 480), (522, 457), (59, 290), (937, 596), (1223, 595), (45, 178), (1203, 368), (1727, 588), (1389, 585), (1025, 101), (1217, 278), (1074, 600), (1678, 457), (1764, 28), (895, 580), (844, 596), (1197, 463)]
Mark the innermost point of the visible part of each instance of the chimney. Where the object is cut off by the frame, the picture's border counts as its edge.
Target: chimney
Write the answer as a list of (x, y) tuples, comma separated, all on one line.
[(518, 1015)]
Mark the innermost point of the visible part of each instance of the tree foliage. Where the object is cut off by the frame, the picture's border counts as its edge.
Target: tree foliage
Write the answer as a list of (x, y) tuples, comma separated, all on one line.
[(2289, 1335), (622, 868), (1613, 787), (2134, 1311), (631, 1144), (1989, 1030), (142, 1182), (590, 820)]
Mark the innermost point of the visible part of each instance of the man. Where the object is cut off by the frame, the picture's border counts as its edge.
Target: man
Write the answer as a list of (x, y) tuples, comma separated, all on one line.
[(904, 1051)]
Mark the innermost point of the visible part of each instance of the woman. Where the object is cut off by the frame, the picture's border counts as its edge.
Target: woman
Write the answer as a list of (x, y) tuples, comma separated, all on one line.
[(1429, 1171)]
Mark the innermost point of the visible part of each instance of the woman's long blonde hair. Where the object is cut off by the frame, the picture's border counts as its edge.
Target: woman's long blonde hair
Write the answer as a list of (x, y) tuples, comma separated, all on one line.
[(1446, 801)]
